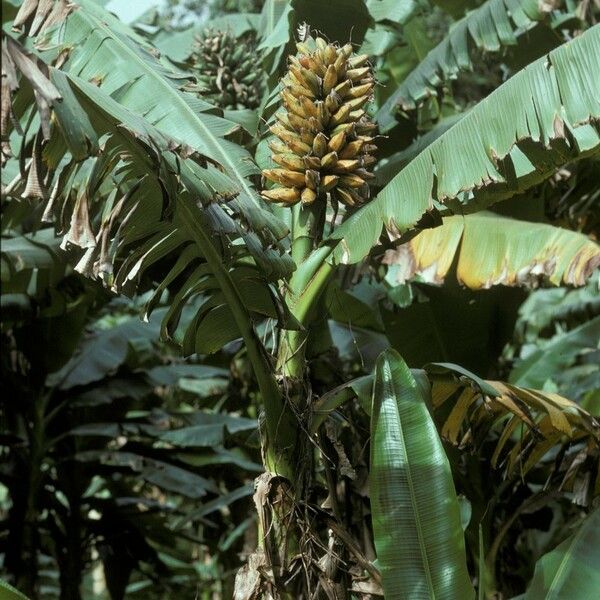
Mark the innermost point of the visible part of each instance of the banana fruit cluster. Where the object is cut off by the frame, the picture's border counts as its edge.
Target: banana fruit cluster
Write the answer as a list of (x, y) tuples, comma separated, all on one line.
[(325, 145), (228, 69)]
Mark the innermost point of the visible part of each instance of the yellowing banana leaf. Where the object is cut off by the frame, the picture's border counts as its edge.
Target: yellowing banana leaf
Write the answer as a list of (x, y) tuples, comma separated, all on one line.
[(496, 250), (539, 119), (415, 511), (572, 569), (527, 422)]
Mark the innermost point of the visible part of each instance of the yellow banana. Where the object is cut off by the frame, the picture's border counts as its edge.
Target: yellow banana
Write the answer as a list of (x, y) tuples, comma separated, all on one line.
[(329, 55), (345, 196), (346, 166), (285, 195), (351, 149), (329, 160), (329, 182), (357, 74), (358, 61), (352, 181), (289, 161), (308, 196), (330, 79), (325, 143), (342, 115), (319, 144), (336, 142), (284, 176), (311, 162)]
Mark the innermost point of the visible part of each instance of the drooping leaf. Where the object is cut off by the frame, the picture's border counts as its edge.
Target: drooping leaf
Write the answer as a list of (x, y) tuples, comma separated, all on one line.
[(347, 306), (539, 119), (362, 389), (207, 430), (396, 11), (495, 250), (415, 511), (39, 251), (220, 502), (219, 456), (103, 353), (270, 16), (555, 343), (357, 343), (104, 50), (527, 422), (548, 309), (194, 224), (171, 374), (165, 475), (274, 27)]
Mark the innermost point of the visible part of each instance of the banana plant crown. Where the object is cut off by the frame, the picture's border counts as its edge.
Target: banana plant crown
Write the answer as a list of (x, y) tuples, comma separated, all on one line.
[(325, 145)]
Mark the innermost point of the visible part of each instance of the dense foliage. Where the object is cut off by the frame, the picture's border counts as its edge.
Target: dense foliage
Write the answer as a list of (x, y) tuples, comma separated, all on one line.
[(378, 378)]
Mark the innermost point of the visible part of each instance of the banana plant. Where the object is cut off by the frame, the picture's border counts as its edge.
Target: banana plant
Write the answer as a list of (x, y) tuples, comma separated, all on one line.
[(156, 189)]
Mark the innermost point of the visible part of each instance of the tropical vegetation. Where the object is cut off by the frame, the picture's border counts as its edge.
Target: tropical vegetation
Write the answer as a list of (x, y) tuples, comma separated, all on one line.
[(300, 299)]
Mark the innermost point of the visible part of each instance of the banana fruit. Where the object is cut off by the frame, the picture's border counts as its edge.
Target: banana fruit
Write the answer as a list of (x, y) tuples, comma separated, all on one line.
[(324, 139), (228, 69)]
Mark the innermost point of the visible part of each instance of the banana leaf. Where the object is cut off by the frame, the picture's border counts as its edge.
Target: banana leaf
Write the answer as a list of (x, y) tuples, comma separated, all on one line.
[(572, 569), (415, 510)]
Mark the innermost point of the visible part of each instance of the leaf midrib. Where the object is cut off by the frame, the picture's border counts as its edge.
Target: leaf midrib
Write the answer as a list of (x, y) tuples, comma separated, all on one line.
[(411, 487)]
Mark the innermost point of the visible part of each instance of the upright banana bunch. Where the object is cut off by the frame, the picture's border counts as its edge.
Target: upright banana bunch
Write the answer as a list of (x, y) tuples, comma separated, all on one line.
[(229, 70), (325, 144)]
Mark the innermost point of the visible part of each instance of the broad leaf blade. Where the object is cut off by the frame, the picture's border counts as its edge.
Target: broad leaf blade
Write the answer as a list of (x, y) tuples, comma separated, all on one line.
[(525, 423), (415, 511), (572, 570), (495, 250), (544, 363)]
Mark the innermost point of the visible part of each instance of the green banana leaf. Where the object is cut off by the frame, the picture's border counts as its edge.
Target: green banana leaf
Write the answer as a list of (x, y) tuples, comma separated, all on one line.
[(104, 50), (415, 510), (552, 358), (572, 570), (8, 592), (495, 24)]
